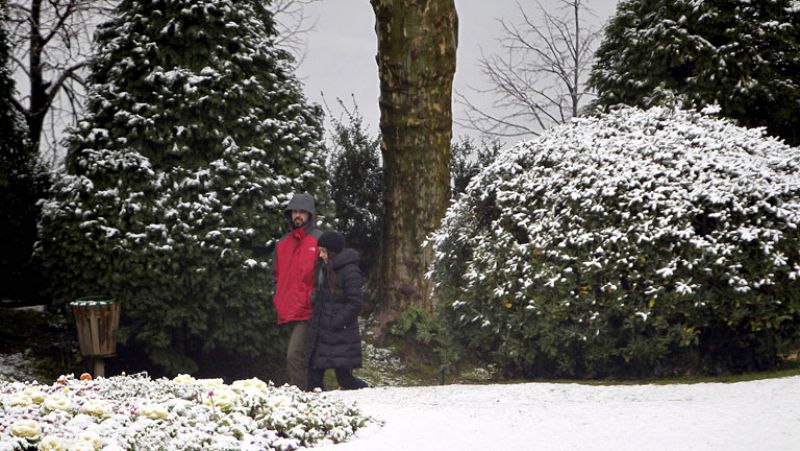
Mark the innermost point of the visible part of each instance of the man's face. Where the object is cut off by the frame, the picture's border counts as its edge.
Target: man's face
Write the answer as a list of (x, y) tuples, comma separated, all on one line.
[(299, 218)]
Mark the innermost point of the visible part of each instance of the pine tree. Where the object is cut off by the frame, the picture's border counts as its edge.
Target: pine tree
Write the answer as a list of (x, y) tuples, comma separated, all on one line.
[(356, 179), (466, 161), (18, 188), (195, 137), (743, 57)]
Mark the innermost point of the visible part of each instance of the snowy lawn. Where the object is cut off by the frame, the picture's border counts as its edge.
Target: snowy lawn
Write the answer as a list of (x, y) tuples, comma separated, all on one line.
[(756, 415)]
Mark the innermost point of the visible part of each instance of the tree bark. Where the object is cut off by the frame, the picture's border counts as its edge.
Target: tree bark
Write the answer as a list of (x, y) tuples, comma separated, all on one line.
[(37, 107), (416, 58)]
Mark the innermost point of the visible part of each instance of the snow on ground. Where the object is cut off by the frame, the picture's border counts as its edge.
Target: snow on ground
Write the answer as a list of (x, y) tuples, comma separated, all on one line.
[(13, 365), (757, 415)]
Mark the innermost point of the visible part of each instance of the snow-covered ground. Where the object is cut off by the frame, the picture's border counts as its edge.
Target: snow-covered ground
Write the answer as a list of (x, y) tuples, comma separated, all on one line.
[(758, 415)]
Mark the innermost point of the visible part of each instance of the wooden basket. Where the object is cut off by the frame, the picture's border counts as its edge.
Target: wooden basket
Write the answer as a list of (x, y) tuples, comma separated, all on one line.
[(96, 319)]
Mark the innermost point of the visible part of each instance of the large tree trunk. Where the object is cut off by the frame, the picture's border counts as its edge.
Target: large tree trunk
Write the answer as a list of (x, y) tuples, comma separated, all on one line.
[(417, 60)]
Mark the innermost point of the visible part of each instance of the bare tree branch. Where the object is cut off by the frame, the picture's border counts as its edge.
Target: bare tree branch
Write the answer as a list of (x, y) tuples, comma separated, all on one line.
[(21, 66), (62, 17), (51, 44), (541, 80), (292, 25), (18, 106), (51, 48), (66, 74)]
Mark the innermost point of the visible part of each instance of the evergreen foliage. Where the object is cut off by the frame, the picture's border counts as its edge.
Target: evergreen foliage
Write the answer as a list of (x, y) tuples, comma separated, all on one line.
[(466, 161), (356, 179), (742, 56), (632, 244), (20, 186), (195, 136)]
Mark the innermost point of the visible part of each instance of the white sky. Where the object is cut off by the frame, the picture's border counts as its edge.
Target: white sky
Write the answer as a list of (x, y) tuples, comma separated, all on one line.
[(340, 54)]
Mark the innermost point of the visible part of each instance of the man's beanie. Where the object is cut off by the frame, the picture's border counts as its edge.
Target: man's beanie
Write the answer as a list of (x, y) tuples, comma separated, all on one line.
[(332, 241)]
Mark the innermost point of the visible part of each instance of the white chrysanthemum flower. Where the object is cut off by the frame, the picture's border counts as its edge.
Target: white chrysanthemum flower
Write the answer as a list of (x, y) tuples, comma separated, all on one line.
[(20, 399), (253, 385), (210, 383), (277, 401), (154, 411), (184, 379), (223, 399), (97, 408), (36, 394), (57, 401), (28, 429), (81, 446), (52, 443), (89, 438)]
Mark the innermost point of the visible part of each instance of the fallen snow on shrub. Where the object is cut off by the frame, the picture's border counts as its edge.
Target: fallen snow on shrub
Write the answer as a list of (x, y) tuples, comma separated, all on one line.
[(136, 412), (638, 241)]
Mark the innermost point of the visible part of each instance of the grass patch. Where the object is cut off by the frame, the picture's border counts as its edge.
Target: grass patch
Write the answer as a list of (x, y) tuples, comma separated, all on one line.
[(787, 369)]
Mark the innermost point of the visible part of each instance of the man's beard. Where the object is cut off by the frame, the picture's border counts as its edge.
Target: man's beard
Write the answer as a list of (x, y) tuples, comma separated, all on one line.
[(298, 223)]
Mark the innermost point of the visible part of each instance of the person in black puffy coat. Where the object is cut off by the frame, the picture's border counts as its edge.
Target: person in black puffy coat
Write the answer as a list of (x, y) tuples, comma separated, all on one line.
[(333, 337)]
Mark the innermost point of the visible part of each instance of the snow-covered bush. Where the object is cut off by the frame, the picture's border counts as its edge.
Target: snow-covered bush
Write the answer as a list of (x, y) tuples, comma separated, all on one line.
[(136, 412), (196, 135), (637, 242)]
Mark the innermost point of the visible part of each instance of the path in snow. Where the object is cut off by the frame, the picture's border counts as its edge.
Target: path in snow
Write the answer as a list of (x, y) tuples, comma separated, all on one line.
[(758, 415)]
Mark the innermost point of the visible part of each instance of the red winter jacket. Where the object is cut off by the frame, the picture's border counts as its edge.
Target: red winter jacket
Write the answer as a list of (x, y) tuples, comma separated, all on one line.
[(295, 257)]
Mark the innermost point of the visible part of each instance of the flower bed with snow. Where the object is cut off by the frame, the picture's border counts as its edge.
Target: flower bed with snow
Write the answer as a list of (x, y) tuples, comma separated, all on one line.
[(637, 242), (135, 412)]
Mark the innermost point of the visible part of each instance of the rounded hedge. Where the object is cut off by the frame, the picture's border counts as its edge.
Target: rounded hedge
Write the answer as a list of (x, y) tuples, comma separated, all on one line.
[(635, 243)]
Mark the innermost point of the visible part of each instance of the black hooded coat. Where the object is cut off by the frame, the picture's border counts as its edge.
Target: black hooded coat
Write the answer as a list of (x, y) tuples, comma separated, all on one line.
[(334, 340)]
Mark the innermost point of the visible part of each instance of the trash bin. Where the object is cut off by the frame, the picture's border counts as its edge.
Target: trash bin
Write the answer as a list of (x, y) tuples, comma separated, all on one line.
[(96, 318)]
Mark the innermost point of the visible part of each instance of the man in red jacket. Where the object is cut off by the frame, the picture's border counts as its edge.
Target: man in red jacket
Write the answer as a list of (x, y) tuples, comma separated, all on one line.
[(295, 257)]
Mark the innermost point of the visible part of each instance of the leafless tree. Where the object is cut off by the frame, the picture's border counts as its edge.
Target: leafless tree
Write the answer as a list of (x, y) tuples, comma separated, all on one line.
[(52, 48), (541, 78), (51, 42), (292, 23)]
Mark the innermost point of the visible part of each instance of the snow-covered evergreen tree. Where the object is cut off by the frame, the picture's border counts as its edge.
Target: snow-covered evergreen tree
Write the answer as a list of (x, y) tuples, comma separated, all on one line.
[(637, 242), (740, 55), (356, 180), (195, 136), (467, 159), (18, 187)]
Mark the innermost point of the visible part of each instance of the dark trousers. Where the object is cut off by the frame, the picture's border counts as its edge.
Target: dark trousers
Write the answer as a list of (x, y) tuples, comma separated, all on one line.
[(296, 353), (344, 377)]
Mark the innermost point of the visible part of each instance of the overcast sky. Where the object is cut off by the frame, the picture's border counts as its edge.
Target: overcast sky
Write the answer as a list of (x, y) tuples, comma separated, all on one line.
[(340, 53)]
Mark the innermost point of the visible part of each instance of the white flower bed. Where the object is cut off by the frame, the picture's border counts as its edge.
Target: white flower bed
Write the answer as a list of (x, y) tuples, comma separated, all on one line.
[(136, 412)]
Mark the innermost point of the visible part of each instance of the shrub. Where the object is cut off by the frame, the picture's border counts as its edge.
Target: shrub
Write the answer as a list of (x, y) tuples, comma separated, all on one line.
[(634, 243)]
